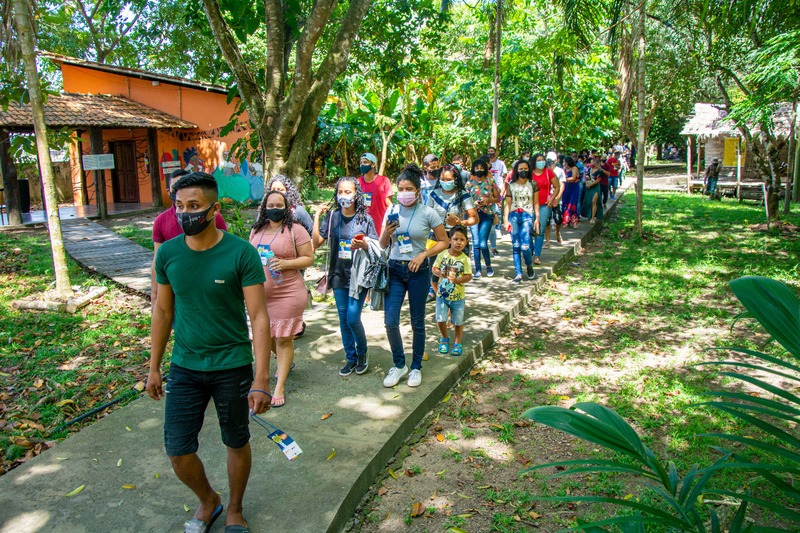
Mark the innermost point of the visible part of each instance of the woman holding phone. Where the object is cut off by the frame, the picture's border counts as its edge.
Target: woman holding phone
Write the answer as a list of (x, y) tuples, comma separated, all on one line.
[(405, 232), (346, 225)]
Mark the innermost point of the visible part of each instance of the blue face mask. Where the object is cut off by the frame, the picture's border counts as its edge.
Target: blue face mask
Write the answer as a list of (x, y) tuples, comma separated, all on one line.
[(365, 168), (541, 164), (448, 185)]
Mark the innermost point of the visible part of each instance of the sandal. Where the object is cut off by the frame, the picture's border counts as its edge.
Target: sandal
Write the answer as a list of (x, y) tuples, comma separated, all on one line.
[(195, 525), (536, 261), (237, 528), (277, 401), (560, 242), (444, 345), (547, 245), (457, 350)]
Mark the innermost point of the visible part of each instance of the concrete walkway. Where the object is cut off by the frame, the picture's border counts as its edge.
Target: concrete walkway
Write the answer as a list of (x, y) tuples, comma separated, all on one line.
[(316, 492)]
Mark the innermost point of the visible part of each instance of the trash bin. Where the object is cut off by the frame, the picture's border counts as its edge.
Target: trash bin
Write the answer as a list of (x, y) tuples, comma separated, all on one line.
[(24, 196)]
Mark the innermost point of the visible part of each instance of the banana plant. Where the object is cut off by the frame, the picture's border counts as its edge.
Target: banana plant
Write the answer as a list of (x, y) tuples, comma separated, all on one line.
[(679, 499)]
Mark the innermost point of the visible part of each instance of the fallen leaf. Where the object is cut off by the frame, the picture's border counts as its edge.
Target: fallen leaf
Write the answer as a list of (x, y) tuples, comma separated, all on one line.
[(38, 382), (119, 463), (453, 449), (464, 496), (186, 507), (562, 356), (22, 442), (522, 459), (440, 472), (331, 455), (128, 486), (155, 475), (395, 396), (446, 397), (522, 423), (391, 473), (139, 386), (516, 332), (417, 509), (383, 491), (76, 491), (534, 515), (457, 530), (474, 372), (425, 356), (326, 415), (408, 472), (62, 458), (564, 398), (464, 515), (440, 437), (435, 493), (129, 429)]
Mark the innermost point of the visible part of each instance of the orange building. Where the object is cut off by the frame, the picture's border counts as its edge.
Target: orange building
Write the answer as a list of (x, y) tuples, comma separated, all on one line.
[(141, 116)]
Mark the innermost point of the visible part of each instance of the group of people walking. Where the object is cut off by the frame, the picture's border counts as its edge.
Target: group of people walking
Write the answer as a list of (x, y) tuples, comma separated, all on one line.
[(416, 249)]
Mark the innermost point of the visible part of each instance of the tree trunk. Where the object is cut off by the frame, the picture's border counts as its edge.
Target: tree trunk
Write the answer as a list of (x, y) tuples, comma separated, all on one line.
[(24, 25), (498, 21), (10, 183), (640, 142)]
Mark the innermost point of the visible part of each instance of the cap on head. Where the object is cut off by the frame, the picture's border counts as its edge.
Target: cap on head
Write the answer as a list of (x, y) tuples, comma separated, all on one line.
[(551, 156), (715, 160), (370, 157)]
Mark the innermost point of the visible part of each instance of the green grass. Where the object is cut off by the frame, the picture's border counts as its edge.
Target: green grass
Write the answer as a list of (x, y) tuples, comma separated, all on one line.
[(142, 237), (55, 366)]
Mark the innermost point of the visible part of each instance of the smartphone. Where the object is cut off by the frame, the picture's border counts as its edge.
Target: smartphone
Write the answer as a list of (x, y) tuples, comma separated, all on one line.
[(358, 237), (393, 217)]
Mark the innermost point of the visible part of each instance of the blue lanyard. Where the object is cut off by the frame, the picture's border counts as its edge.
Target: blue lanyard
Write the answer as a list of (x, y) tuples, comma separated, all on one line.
[(273, 238), (414, 212)]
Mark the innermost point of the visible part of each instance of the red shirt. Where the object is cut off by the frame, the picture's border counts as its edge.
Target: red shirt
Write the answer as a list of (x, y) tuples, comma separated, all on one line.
[(604, 177), (614, 165), (375, 194), (543, 181), (166, 226)]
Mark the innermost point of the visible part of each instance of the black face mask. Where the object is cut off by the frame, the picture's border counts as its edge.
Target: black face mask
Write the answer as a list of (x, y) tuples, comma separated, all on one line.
[(479, 173), (276, 215), (194, 223), (524, 174), (434, 174)]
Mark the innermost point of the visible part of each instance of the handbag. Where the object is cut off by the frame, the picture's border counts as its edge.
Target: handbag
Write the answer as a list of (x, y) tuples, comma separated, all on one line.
[(556, 215), (322, 283), (377, 275)]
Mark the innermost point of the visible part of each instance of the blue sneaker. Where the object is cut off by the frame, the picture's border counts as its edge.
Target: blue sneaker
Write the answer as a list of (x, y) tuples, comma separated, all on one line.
[(489, 271), (477, 275)]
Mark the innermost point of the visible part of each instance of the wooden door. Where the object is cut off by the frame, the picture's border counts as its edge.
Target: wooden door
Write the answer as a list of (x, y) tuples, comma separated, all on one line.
[(124, 178)]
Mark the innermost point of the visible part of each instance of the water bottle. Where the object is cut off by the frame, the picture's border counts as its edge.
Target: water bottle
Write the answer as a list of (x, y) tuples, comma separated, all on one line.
[(277, 276)]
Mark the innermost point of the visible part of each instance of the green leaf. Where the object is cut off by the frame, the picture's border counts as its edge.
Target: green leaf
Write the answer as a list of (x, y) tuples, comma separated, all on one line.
[(774, 305)]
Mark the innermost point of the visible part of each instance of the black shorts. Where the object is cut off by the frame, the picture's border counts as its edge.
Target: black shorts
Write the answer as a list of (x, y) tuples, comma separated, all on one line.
[(187, 396)]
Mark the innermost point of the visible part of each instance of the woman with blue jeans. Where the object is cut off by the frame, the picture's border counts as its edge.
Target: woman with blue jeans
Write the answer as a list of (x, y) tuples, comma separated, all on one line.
[(521, 213), (405, 232), (485, 193), (546, 180), (346, 226)]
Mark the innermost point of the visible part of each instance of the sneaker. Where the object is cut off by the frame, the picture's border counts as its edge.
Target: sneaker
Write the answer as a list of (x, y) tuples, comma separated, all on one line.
[(362, 364), (347, 369), (476, 275), (490, 272), (612, 197), (518, 279), (415, 378), (530, 272), (495, 253), (394, 376)]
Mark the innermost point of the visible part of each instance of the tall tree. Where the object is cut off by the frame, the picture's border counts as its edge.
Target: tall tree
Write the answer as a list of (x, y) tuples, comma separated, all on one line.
[(640, 103), (23, 19), (284, 112), (498, 50)]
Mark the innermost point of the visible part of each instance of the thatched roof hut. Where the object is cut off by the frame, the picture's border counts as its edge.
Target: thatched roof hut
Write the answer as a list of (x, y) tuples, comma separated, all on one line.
[(709, 120)]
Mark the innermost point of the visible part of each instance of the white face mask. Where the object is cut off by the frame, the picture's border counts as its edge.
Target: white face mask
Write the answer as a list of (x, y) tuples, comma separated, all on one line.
[(346, 200)]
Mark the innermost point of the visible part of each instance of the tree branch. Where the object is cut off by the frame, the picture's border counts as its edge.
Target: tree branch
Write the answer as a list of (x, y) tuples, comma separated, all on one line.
[(248, 88), (276, 61)]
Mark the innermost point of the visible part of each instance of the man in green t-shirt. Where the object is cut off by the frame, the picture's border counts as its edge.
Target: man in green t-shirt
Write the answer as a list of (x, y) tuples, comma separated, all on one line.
[(204, 276)]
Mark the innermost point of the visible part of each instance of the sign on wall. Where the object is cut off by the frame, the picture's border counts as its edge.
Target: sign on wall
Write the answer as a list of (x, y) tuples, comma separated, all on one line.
[(729, 153), (98, 162)]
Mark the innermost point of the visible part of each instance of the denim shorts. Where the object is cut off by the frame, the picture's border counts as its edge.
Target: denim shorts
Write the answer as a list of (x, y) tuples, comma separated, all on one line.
[(187, 396), (456, 308)]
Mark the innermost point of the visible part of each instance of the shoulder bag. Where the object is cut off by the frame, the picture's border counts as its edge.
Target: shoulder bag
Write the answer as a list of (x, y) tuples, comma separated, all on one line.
[(322, 284)]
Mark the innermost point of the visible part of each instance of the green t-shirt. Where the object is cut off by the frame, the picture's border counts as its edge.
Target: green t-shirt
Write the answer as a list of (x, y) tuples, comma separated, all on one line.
[(452, 267), (210, 323)]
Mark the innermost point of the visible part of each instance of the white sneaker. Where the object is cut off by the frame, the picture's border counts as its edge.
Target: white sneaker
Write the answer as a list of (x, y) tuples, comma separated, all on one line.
[(394, 376), (415, 378)]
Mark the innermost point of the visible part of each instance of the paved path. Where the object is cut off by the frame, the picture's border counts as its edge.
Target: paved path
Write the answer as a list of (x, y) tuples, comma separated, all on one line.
[(110, 254), (316, 492)]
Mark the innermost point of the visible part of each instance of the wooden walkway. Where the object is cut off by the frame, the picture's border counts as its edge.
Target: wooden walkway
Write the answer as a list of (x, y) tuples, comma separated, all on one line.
[(105, 252)]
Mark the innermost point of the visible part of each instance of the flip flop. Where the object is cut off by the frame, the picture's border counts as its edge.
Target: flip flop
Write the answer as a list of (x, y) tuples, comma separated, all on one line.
[(237, 528), (195, 525), (275, 375), (277, 401)]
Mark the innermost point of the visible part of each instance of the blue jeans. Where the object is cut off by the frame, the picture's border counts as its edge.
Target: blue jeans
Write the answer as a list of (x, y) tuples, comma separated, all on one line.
[(544, 220), (354, 338), (520, 239), (480, 236), (402, 281)]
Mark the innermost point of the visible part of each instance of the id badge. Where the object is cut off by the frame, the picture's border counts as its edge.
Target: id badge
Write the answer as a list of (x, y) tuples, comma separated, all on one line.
[(367, 199), (345, 252), (263, 250), (404, 243), (286, 443)]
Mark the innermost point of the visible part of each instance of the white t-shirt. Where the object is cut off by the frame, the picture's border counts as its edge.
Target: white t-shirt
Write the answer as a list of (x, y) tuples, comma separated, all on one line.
[(560, 174), (522, 196), (499, 172)]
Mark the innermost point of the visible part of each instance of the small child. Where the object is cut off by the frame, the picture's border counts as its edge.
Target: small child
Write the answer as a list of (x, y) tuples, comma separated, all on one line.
[(453, 268)]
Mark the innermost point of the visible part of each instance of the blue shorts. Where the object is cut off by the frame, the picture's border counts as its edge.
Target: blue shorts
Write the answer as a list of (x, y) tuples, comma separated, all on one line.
[(187, 396), (456, 308)]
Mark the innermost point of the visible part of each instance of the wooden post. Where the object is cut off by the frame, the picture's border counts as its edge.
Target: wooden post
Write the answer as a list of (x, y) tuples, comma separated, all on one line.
[(738, 169), (688, 164), (152, 157), (96, 146), (699, 170), (76, 165), (8, 170)]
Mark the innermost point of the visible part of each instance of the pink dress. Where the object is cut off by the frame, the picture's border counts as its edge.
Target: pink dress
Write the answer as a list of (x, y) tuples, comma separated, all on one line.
[(286, 301)]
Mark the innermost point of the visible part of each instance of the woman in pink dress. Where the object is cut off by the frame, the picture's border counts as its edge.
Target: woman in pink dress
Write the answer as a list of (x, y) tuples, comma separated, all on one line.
[(285, 249)]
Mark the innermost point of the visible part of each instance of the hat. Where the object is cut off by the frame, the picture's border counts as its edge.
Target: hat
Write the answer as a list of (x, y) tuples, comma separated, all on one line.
[(715, 160), (551, 156), (371, 157)]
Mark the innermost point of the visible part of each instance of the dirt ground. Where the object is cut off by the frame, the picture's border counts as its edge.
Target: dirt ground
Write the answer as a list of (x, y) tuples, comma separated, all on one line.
[(463, 471)]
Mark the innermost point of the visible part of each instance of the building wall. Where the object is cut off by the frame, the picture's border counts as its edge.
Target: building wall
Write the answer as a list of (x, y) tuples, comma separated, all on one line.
[(240, 181)]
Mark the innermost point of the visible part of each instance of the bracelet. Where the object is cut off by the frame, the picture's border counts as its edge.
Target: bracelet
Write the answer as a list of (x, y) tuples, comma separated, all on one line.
[(261, 391)]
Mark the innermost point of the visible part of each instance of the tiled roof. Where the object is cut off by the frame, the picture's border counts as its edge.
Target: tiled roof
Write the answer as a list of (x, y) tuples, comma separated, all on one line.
[(136, 73), (88, 110)]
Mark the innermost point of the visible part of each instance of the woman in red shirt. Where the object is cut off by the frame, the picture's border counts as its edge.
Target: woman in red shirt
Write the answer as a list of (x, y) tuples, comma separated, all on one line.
[(548, 193)]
